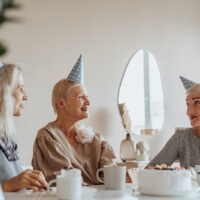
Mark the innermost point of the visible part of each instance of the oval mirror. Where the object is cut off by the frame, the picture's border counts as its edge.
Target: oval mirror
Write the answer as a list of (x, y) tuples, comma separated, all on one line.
[(141, 96)]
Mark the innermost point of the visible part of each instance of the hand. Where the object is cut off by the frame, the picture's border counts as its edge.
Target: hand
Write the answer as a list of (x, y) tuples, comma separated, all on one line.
[(149, 167), (31, 179)]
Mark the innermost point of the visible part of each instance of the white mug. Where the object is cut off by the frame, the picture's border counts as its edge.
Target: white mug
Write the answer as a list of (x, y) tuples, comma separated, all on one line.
[(68, 185), (114, 177)]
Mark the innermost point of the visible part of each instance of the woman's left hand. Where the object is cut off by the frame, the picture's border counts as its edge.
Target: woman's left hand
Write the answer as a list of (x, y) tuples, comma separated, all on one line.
[(30, 179)]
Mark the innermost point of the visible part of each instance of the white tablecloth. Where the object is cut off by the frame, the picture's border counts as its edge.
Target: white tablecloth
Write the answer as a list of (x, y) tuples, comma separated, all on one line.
[(98, 192)]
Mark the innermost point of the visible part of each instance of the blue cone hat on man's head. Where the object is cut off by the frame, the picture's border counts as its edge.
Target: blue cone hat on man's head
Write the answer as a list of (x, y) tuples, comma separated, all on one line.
[(76, 74), (187, 83)]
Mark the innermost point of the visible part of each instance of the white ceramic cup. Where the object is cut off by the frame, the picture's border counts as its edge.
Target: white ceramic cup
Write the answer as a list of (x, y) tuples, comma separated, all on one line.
[(114, 177), (68, 186)]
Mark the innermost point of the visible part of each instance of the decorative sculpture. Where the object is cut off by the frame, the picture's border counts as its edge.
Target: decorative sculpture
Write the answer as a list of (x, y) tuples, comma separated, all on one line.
[(127, 146), (142, 151)]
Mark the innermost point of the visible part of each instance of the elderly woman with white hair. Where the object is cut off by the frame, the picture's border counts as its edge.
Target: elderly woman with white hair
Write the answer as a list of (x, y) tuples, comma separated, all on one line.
[(12, 97), (184, 145), (66, 142)]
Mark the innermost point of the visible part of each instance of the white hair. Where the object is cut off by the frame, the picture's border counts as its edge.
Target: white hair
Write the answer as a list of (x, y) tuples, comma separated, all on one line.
[(8, 74)]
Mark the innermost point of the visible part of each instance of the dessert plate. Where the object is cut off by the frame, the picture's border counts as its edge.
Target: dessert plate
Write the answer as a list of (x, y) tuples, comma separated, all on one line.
[(193, 191)]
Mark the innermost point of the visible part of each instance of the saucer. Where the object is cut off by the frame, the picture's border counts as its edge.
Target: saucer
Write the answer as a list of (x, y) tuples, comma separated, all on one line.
[(85, 191), (112, 195), (193, 191)]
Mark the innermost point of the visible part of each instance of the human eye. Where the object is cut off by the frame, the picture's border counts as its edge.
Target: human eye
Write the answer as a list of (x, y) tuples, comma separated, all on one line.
[(18, 90), (21, 89), (197, 102), (80, 96), (83, 96)]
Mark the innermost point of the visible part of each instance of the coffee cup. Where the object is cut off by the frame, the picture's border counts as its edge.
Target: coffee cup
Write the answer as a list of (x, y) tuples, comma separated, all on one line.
[(68, 185), (114, 177)]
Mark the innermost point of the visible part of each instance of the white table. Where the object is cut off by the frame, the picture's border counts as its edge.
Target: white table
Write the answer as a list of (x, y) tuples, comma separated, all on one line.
[(98, 193)]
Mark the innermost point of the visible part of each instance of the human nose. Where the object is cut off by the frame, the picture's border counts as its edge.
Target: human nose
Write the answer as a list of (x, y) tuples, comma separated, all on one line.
[(190, 109), (87, 101), (25, 96)]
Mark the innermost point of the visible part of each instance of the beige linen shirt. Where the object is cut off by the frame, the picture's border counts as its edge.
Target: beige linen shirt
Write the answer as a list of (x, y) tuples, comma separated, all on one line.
[(52, 152)]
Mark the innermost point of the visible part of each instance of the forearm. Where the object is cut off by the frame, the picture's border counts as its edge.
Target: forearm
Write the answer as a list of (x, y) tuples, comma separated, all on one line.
[(168, 154), (10, 186)]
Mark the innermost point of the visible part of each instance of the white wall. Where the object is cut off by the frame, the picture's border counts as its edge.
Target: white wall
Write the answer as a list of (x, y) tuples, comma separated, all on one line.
[(53, 33)]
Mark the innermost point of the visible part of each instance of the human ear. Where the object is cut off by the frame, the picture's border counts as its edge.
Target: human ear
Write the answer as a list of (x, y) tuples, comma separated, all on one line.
[(60, 104)]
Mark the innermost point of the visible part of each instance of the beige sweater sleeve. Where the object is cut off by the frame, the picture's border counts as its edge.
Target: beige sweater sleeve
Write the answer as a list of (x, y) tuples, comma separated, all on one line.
[(49, 156)]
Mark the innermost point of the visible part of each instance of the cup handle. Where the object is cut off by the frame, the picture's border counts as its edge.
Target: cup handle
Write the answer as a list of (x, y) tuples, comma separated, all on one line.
[(49, 185), (97, 175)]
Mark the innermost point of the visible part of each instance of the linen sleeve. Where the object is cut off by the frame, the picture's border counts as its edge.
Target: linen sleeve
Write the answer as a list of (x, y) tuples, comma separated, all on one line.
[(49, 156), (169, 153), (107, 154)]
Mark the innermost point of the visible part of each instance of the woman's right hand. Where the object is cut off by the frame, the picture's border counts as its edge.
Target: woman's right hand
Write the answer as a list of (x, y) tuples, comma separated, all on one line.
[(30, 179)]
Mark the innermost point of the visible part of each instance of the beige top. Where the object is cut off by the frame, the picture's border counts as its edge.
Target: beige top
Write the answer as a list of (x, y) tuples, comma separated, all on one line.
[(52, 152)]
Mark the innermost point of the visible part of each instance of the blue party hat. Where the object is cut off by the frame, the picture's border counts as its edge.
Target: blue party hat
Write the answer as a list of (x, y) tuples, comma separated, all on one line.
[(76, 74), (187, 83)]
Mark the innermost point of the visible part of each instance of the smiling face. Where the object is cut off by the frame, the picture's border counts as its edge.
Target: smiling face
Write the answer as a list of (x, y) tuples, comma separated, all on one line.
[(193, 105), (19, 95), (75, 105)]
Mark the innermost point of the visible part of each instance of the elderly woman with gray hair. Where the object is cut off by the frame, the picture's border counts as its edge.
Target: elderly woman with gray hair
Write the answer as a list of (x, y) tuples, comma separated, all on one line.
[(12, 97), (184, 145)]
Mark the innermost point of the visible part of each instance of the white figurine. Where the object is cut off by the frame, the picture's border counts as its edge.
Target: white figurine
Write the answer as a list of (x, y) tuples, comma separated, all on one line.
[(142, 151)]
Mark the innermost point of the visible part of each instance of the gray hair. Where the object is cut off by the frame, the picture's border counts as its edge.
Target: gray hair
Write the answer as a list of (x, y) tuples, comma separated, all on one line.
[(8, 74)]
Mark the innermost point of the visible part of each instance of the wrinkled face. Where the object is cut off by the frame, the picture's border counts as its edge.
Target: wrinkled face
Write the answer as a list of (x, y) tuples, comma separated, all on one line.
[(193, 108), (76, 106), (19, 96)]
